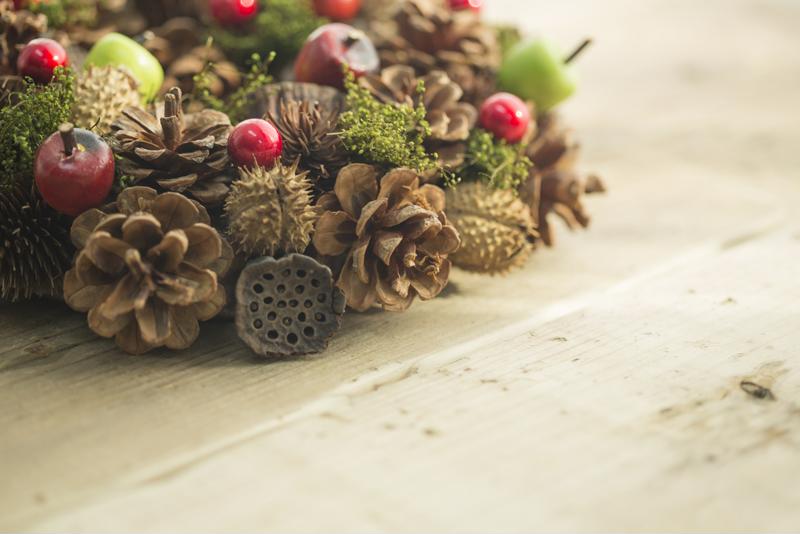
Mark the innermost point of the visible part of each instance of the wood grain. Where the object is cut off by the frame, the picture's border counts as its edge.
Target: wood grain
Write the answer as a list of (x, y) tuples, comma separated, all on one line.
[(598, 389)]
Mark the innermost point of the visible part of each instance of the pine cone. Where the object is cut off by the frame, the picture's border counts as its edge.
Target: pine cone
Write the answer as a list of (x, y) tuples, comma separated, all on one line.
[(287, 307), (16, 29), (554, 185), (147, 277), (428, 36), (35, 250), (496, 228), (392, 234), (308, 132), (377, 10), (268, 101), (101, 94), (177, 152), (270, 212), (451, 120)]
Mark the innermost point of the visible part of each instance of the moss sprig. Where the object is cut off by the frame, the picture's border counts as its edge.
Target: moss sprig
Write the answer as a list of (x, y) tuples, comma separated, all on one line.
[(494, 161), (281, 25), (385, 134), (37, 114), (236, 104)]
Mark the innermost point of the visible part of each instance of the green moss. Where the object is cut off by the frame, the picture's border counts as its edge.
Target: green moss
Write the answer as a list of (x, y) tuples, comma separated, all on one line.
[(281, 25), (494, 161), (385, 134), (236, 104), (39, 112), (70, 13)]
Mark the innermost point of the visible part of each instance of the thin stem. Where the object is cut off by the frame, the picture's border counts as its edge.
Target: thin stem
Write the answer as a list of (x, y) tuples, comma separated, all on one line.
[(171, 124), (578, 51), (67, 131)]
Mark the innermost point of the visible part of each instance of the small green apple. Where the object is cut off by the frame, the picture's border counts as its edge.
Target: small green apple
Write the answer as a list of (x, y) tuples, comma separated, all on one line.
[(121, 51), (539, 71)]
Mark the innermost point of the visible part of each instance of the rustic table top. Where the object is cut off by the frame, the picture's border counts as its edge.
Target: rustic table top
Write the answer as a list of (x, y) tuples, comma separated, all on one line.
[(643, 375)]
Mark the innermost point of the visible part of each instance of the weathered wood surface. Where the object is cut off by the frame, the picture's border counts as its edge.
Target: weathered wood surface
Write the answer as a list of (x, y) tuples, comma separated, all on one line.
[(600, 389)]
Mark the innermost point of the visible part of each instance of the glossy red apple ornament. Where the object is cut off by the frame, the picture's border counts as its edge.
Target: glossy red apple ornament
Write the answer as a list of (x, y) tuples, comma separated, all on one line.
[(74, 170), (328, 49), (506, 116), (255, 142), (233, 12), (39, 58), (338, 10), (458, 5)]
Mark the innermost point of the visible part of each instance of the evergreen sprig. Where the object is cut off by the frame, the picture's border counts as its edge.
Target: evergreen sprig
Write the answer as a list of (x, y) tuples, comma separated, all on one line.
[(37, 114), (494, 161), (385, 134)]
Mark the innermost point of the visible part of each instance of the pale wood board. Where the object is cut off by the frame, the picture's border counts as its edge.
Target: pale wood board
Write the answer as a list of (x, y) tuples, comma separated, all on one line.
[(597, 389)]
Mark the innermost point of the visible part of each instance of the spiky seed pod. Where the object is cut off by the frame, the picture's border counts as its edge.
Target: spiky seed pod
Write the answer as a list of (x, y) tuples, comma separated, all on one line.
[(101, 94), (35, 249), (270, 212), (497, 230)]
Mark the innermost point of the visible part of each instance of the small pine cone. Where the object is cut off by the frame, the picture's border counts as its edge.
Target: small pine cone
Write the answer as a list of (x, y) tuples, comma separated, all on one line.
[(35, 249), (428, 35), (16, 29), (101, 94), (497, 231), (287, 307), (270, 212), (307, 129), (185, 153), (148, 274)]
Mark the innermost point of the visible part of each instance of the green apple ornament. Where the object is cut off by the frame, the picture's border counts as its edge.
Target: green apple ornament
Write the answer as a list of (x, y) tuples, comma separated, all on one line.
[(120, 51), (538, 71)]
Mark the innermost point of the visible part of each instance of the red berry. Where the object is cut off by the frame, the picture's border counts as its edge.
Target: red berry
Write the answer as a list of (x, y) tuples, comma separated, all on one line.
[(74, 170), (506, 116), (458, 5), (338, 10), (40, 58), (233, 12), (255, 142)]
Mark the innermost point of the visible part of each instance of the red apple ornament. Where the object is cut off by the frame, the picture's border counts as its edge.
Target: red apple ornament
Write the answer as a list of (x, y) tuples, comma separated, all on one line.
[(255, 142), (233, 12), (328, 49), (506, 116), (74, 170), (338, 10), (458, 5), (39, 58)]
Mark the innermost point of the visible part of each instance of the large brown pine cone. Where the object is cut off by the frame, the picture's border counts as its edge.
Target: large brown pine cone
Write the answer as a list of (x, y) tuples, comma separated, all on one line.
[(451, 120), (428, 36), (392, 234), (16, 29), (147, 274), (176, 152)]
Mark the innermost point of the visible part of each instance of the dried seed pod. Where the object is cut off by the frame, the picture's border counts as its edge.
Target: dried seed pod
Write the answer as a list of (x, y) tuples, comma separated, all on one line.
[(101, 94), (287, 307), (497, 231)]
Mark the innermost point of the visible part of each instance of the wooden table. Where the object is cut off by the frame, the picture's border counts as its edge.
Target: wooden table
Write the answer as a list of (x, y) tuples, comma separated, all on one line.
[(644, 375)]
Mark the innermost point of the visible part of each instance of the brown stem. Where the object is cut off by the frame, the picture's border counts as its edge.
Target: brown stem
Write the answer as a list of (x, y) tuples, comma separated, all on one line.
[(352, 38), (176, 91), (67, 132), (578, 51), (170, 124)]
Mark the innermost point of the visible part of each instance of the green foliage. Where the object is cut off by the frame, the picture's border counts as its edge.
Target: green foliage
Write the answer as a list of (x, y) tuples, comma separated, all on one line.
[(39, 112), (385, 134), (62, 13), (235, 105), (281, 25), (494, 161)]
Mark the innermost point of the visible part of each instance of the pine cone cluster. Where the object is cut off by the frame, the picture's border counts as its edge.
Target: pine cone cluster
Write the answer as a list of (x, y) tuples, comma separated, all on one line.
[(450, 119), (391, 233), (496, 227), (16, 29), (35, 249), (270, 212), (555, 185), (101, 95), (308, 129), (147, 274), (176, 152), (427, 35)]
